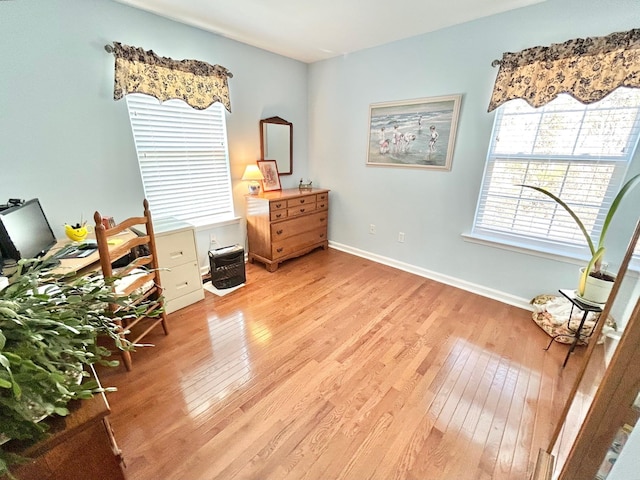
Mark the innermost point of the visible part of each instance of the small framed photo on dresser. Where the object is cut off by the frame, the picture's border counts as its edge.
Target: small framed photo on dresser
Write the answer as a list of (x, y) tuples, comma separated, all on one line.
[(269, 169)]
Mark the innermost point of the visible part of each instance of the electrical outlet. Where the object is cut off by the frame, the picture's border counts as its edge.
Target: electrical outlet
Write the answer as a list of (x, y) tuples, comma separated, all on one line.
[(401, 237), (372, 229), (212, 239)]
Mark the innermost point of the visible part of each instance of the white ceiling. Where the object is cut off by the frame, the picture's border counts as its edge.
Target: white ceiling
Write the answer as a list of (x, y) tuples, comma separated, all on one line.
[(315, 30)]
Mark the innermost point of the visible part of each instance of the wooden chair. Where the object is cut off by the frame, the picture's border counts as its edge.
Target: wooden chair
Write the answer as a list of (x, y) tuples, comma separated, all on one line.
[(137, 271)]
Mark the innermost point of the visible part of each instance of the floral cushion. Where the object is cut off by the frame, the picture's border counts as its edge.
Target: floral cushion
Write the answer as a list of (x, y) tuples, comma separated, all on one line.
[(551, 313)]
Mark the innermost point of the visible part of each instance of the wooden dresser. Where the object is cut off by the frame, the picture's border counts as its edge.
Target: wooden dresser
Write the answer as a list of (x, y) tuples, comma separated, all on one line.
[(286, 224), (80, 446)]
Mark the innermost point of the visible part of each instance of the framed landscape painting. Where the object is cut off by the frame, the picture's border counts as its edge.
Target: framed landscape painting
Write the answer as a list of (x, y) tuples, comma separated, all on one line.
[(414, 133)]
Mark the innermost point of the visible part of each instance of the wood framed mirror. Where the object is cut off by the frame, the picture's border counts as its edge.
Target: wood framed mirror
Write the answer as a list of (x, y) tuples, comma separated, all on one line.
[(276, 143)]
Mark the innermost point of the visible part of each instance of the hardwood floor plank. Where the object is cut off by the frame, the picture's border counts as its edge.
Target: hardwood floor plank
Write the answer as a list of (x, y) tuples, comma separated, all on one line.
[(468, 410), (335, 367)]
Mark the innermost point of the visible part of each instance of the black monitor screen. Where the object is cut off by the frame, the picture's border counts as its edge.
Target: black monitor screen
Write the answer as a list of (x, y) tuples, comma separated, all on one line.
[(26, 233)]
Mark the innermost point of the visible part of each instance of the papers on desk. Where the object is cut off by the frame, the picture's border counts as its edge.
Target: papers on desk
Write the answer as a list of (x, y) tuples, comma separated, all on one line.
[(75, 252)]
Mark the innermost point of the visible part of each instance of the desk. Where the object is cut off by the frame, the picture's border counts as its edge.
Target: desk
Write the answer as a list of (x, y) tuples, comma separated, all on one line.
[(85, 264), (584, 307)]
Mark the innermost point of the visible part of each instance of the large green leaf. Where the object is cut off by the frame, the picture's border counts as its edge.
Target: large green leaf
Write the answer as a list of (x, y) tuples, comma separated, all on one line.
[(569, 211), (615, 204), (597, 248)]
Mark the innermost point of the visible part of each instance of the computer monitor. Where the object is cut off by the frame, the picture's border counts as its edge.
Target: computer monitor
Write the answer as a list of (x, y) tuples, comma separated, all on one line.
[(25, 231)]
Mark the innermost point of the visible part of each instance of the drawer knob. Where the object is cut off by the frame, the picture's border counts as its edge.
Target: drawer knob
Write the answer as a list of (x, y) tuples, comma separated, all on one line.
[(322, 219), (302, 210), (279, 232), (302, 200), (279, 250), (322, 235), (278, 205), (322, 205), (278, 215)]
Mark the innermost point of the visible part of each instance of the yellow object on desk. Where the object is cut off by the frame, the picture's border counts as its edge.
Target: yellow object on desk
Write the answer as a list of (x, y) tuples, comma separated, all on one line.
[(75, 234)]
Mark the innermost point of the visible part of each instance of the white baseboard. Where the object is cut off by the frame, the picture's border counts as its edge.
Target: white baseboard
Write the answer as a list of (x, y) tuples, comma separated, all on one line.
[(438, 277)]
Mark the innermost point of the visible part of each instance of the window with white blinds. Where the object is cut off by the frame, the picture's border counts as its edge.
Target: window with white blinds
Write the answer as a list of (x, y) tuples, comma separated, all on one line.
[(183, 158), (578, 152)]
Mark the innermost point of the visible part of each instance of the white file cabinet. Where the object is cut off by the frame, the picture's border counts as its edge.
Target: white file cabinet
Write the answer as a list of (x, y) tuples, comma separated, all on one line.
[(177, 253)]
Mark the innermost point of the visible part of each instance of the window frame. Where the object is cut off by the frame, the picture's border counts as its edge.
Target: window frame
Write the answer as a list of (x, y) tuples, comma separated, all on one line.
[(569, 250), (203, 165)]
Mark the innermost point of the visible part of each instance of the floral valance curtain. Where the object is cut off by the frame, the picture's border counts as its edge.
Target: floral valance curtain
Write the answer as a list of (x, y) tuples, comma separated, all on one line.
[(197, 83), (586, 68)]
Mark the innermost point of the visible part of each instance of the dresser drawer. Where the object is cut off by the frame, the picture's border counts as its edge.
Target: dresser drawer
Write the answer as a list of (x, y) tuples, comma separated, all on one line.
[(301, 210), (298, 242), (278, 215), (296, 226), (175, 248), (277, 205), (322, 204), (296, 202), (322, 197)]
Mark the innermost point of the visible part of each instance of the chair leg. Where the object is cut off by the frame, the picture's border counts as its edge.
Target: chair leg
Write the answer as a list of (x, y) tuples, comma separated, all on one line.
[(126, 355), (126, 359), (165, 327)]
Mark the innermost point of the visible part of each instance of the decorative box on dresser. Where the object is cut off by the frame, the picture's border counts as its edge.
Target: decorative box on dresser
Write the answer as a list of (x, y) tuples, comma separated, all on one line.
[(177, 253), (286, 224)]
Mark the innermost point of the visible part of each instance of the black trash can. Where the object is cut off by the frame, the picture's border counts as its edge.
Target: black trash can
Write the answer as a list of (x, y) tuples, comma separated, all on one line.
[(227, 266)]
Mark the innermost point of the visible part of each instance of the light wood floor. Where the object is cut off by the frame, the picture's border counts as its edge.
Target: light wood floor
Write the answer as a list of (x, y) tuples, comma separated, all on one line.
[(335, 367)]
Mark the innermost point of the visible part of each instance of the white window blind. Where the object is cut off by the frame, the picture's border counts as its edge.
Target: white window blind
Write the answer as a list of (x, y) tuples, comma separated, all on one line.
[(578, 152), (183, 158)]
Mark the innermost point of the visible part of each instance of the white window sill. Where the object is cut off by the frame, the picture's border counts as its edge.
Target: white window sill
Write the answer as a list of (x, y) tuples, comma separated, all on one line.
[(214, 222), (526, 249), (634, 266)]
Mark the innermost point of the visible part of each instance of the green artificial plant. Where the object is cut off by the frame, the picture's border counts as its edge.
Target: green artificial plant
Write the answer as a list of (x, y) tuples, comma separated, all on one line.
[(596, 246), (49, 325)]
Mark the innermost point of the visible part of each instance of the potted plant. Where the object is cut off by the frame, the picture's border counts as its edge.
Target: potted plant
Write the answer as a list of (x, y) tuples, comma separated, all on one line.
[(49, 325), (594, 284)]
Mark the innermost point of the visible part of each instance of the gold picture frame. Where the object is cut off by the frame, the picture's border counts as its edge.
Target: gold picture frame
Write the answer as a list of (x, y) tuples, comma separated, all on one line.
[(417, 133)]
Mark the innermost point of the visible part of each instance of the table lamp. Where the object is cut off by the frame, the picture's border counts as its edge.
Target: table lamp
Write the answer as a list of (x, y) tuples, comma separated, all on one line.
[(253, 174)]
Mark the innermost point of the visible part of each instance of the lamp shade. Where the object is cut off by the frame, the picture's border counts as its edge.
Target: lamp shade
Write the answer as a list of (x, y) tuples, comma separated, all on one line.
[(252, 172)]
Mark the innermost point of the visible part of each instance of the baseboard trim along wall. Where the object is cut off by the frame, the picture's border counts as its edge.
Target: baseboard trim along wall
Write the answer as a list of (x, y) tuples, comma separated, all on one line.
[(438, 277)]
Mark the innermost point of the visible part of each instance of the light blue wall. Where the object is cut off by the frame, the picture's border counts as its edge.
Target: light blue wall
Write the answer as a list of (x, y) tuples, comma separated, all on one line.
[(65, 140), (434, 208)]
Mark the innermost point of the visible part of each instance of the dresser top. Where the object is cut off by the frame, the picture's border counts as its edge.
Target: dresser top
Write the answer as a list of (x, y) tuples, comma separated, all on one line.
[(288, 193)]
